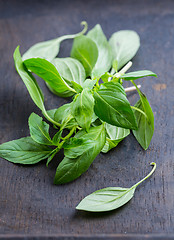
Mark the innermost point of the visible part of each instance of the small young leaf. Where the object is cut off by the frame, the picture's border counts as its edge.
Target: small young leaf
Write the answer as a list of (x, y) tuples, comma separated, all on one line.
[(49, 74), (49, 49), (85, 50), (39, 130), (110, 198), (71, 168), (124, 46), (145, 129), (138, 74), (24, 151), (70, 69), (104, 60), (83, 108), (112, 106), (63, 115), (114, 136)]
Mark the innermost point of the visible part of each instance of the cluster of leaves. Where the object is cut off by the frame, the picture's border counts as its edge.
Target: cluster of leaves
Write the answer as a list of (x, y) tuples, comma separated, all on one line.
[(99, 116)]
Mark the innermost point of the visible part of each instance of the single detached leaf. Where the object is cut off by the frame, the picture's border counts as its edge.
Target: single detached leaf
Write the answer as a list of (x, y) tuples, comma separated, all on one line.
[(138, 74), (49, 74), (106, 199), (39, 130), (29, 81), (83, 108), (71, 168), (49, 49), (112, 106), (110, 198), (24, 151), (114, 135), (145, 129), (70, 70), (104, 60), (125, 45), (85, 50)]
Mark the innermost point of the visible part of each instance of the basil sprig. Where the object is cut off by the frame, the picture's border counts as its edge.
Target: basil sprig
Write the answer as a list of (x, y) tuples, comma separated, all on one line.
[(99, 115)]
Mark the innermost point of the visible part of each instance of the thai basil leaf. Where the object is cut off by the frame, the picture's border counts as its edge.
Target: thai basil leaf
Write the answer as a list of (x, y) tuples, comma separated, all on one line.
[(71, 168), (51, 112), (76, 147), (112, 106), (104, 61), (138, 74), (145, 129), (39, 130), (89, 83), (49, 74), (29, 81), (125, 45), (57, 137), (70, 70), (63, 115), (83, 108), (110, 198), (49, 49), (77, 87), (114, 136), (85, 50), (24, 151)]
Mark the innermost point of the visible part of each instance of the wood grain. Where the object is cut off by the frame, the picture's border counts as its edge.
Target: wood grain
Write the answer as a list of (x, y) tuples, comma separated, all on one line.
[(30, 205)]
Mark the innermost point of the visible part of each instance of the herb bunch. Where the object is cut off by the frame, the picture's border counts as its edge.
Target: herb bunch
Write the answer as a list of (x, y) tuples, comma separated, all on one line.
[(99, 116)]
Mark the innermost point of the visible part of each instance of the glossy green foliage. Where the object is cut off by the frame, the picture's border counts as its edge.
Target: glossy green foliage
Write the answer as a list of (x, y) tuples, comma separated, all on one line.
[(49, 74), (112, 106), (114, 135), (85, 50), (24, 151), (49, 49), (70, 69), (145, 129), (104, 60), (125, 45), (71, 168), (137, 75), (110, 198), (82, 109), (39, 130)]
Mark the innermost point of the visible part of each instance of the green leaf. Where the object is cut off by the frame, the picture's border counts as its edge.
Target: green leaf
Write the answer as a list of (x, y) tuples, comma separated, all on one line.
[(110, 198), (70, 70), (145, 129), (39, 130), (57, 137), (114, 136), (125, 45), (49, 74), (24, 151), (104, 60), (77, 87), (49, 49), (138, 74), (29, 81), (89, 83), (31, 84), (83, 108), (76, 147), (112, 106), (85, 50), (63, 115), (71, 168)]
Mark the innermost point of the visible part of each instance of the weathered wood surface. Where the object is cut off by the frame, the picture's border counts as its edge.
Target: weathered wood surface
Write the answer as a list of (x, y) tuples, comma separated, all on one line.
[(30, 205)]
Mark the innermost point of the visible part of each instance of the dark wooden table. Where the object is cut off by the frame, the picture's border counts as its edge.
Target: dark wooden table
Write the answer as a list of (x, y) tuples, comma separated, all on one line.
[(31, 207)]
